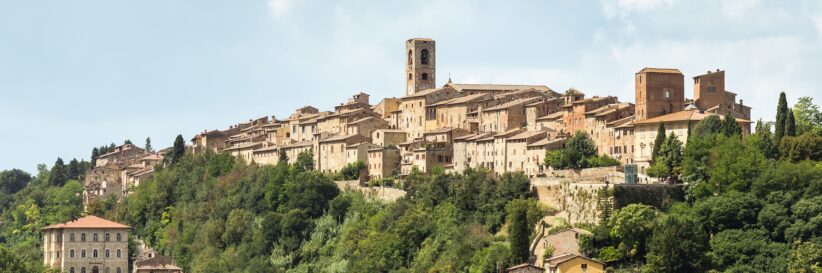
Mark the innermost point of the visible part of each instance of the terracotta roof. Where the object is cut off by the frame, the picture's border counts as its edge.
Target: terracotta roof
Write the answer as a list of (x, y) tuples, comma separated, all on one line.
[(551, 116), (526, 135), (524, 266), (557, 260), (243, 146), (494, 87), (298, 144), (90, 221), (682, 116), (422, 93), (508, 133), (509, 104), (546, 141), (660, 70)]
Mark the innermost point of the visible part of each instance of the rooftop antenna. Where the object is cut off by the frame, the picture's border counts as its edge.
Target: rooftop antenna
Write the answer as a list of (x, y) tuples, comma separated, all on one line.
[(449, 77)]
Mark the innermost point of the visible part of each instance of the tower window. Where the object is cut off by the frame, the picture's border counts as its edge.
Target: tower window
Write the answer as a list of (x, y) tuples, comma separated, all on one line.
[(424, 56), (424, 76), (410, 57), (410, 76)]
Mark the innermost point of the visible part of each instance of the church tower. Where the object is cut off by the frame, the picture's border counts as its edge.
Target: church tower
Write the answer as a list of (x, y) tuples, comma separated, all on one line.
[(420, 67)]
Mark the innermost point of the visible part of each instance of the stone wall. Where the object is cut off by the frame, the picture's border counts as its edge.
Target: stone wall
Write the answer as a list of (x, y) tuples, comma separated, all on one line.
[(577, 202), (381, 193)]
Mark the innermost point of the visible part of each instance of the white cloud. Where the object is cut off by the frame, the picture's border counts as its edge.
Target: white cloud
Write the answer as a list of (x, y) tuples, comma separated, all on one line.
[(623, 8), (278, 8), (739, 8), (817, 22)]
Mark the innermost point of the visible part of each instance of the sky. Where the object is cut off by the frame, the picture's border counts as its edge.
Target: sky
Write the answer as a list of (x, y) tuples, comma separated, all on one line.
[(80, 74)]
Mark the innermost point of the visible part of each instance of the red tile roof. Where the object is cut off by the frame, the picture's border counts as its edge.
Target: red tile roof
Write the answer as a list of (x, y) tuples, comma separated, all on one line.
[(90, 221)]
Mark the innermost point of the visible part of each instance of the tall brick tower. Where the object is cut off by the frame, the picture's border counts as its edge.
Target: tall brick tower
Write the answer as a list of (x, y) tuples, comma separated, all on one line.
[(659, 91), (420, 67)]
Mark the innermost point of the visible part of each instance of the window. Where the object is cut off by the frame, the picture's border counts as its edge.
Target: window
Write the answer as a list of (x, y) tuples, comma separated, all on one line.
[(119, 254), (425, 76), (424, 56), (82, 253), (71, 270), (410, 76), (667, 94), (108, 253), (108, 237), (71, 237), (118, 270), (410, 59), (94, 253), (71, 253), (83, 270), (95, 237), (82, 237)]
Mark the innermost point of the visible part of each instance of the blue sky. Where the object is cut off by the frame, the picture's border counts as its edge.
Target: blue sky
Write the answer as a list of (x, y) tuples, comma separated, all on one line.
[(79, 74)]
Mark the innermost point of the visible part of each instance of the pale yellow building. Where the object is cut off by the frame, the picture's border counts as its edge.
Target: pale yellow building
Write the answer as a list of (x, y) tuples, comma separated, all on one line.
[(573, 263), (90, 244)]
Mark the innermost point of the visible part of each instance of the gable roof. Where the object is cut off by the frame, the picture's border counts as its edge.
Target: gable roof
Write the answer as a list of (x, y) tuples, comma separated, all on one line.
[(90, 221), (660, 70), (682, 116)]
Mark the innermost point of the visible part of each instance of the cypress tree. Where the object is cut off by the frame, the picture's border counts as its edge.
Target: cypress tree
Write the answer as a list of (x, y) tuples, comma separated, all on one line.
[(179, 149), (729, 125), (57, 176), (518, 231), (148, 145), (73, 169), (94, 154), (781, 117), (763, 131), (790, 124), (660, 138)]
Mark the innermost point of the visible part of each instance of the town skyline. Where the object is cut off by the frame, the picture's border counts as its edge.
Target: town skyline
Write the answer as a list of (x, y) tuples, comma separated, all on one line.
[(179, 98)]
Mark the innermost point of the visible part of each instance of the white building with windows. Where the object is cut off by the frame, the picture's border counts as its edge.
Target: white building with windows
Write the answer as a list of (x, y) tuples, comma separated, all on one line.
[(87, 245)]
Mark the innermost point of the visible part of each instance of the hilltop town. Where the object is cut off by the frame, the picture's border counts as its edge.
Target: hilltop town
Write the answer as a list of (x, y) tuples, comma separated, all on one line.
[(455, 126)]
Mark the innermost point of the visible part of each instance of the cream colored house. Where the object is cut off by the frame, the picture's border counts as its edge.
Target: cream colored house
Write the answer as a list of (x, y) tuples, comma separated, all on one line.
[(90, 244), (333, 153)]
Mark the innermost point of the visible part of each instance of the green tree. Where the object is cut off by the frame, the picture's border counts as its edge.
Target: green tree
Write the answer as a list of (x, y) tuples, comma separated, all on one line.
[(737, 250), (13, 180), (94, 154), (11, 263), (808, 117), (806, 258), (766, 144), (283, 156), (781, 117), (576, 154), (669, 160), (179, 149), (790, 124), (729, 125), (58, 176), (711, 124), (678, 244), (73, 169), (148, 145), (631, 226), (128, 141), (806, 146), (660, 138), (518, 230), (305, 161)]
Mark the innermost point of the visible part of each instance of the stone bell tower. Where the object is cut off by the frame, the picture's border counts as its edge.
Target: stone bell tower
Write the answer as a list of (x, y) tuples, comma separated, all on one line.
[(420, 67)]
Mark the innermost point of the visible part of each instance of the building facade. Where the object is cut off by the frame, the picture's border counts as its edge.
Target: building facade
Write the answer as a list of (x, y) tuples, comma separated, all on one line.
[(87, 245)]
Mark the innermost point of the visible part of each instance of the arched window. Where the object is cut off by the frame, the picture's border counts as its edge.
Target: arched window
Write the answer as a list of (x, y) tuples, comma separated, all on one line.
[(410, 57), (108, 253), (119, 237), (424, 56), (118, 270), (410, 77), (82, 237), (95, 269), (108, 270), (95, 237), (71, 253), (71, 270), (118, 253), (108, 237), (82, 253), (424, 76), (83, 270), (94, 253), (71, 237)]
